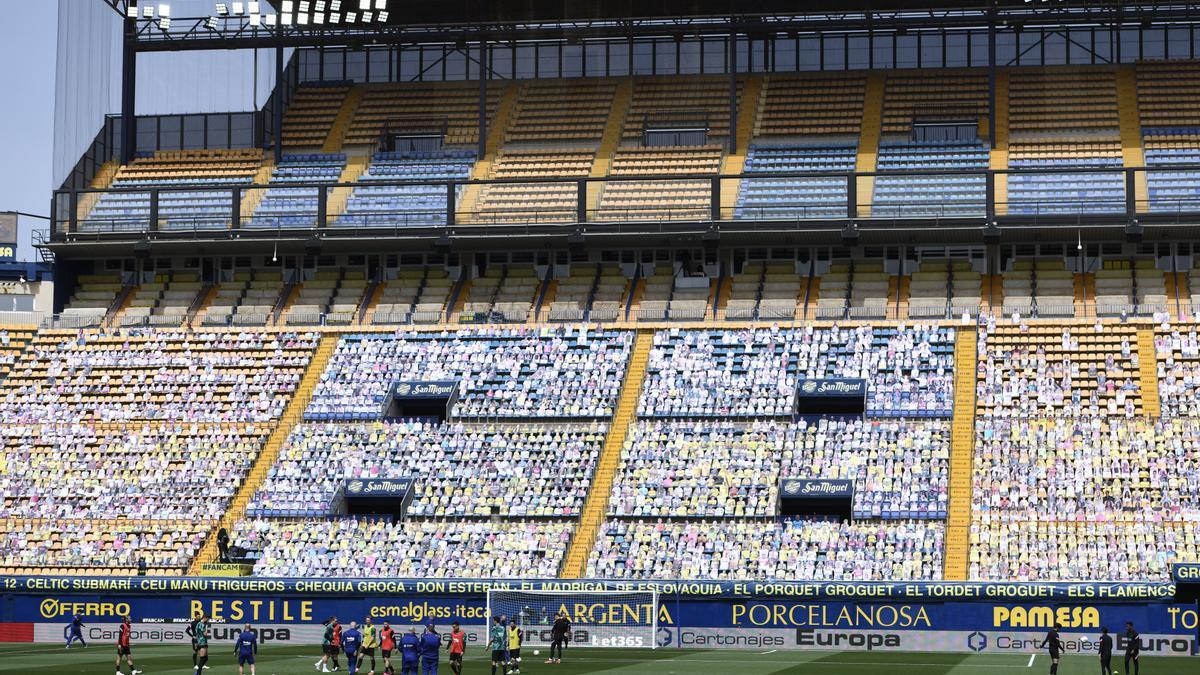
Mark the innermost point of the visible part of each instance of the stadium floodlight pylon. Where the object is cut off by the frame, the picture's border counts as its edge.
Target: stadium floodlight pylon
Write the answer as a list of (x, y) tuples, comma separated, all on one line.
[(626, 619)]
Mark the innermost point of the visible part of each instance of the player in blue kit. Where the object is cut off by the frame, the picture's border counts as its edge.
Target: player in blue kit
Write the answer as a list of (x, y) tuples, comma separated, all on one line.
[(75, 631), (431, 650), (410, 652), (246, 646), (351, 643)]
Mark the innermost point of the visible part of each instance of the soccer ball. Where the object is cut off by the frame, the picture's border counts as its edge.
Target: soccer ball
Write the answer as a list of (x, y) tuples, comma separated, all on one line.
[(537, 652)]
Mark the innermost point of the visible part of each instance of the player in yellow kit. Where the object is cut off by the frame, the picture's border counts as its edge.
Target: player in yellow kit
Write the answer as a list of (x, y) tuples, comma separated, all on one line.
[(370, 641), (514, 649)]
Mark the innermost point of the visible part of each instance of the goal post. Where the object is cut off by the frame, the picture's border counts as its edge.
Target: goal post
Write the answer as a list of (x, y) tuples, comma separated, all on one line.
[(627, 619)]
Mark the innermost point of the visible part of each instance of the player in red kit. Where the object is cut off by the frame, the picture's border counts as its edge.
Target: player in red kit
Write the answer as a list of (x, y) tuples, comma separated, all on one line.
[(387, 642), (457, 646), (123, 637)]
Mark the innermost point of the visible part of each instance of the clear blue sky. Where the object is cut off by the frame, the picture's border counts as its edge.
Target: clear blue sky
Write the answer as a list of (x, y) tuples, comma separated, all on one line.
[(27, 49)]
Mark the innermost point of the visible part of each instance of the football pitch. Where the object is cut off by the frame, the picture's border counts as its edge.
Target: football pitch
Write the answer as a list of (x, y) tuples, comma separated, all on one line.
[(176, 660)]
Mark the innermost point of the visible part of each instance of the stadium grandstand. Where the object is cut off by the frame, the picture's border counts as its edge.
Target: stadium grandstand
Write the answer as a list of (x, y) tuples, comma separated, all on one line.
[(881, 302)]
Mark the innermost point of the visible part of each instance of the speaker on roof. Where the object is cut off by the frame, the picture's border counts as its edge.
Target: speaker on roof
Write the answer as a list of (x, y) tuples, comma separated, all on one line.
[(141, 250), (850, 235), (991, 233), (442, 244), (1134, 232), (312, 246)]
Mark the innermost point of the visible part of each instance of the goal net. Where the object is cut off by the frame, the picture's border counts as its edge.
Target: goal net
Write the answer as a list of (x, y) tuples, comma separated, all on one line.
[(598, 618)]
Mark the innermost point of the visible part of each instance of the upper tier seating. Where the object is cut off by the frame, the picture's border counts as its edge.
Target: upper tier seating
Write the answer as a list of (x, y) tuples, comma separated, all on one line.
[(1165, 95), (754, 373), (475, 471), (283, 207), (694, 99), (948, 196), (310, 113), (166, 376), (504, 294), (933, 96), (561, 111), (210, 208), (502, 373), (811, 104), (533, 202), (789, 198), (422, 549), (248, 299), (420, 105), (716, 469), (1064, 119), (789, 549), (415, 205), (1047, 370), (1177, 190), (671, 199)]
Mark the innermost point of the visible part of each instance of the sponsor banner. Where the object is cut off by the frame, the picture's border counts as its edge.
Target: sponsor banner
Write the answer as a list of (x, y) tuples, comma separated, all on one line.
[(397, 488), (425, 389), (800, 488), (874, 591), (598, 612), (853, 388), (681, 637), (225, 570), (1186, 573)]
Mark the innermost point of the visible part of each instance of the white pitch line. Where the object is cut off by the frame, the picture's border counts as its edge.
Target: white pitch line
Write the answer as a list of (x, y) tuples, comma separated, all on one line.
[(769, 652), (1031, 658)]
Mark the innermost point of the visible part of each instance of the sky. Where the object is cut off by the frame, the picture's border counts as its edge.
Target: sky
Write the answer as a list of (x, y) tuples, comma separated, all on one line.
[(27, 48)]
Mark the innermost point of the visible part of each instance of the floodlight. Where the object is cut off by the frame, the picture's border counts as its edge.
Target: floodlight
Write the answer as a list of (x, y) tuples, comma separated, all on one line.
[(238, 7), (364, 4), (304, 5), (318, 18), (164, 10), (286, 20), (255, 20), (252, 6), (287, 6), (336, 5), (269, 18), (211, 23), (366, 17), (351, 17), (302, 19), (320, 6), (380, 4), (148, 11), (383, 17), (222, 9), (131, 11), (164, 23), (336, 17)]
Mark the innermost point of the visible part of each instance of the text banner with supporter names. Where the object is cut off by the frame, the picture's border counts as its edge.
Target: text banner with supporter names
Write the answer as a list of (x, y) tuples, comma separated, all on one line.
[(1133, 592)]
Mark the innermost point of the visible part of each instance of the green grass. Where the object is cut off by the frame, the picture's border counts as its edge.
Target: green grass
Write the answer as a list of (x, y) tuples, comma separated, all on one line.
[(176, 660)]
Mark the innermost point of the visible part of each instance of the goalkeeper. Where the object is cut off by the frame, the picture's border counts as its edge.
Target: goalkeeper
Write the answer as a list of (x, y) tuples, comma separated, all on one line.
[(560, 634)]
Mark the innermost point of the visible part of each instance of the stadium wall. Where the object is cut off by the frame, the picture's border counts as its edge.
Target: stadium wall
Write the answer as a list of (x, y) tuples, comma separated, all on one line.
[(869, 616)]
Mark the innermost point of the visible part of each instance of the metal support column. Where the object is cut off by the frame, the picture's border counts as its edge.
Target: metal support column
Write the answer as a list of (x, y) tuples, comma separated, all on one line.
[(235, 220), (129, 91), (451, 192), (992, 83), (581, 190), (483, 64), (733, 98), (990, 196), (1131, 193), (714, 206), (277, 109)]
